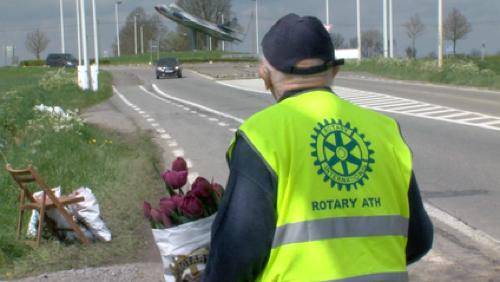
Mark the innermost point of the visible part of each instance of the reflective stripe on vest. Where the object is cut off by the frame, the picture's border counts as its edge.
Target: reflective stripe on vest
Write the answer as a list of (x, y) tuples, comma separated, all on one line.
[(379, 277), (340, 227)]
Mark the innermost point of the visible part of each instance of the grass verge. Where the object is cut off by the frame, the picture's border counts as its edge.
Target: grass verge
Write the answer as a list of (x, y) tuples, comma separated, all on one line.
[(120, 170), (455, 71)]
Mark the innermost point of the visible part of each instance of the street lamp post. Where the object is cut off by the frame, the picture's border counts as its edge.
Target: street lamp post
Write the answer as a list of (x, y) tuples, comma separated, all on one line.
[(135, 34), (117, 29), (61, 8), (142, 39), (78, 32), (327, 13), (222, 18), (384, 23), (358, 27), (391, 31), (85, 71), (256, 27), (440, 33), (94, 69)]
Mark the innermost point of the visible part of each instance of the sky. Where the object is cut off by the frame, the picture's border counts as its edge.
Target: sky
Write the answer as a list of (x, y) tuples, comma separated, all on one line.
[(17, 18)]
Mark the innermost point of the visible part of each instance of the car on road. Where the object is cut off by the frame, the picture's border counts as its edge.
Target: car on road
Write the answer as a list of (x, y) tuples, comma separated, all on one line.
[(61, 60), (167, 67)]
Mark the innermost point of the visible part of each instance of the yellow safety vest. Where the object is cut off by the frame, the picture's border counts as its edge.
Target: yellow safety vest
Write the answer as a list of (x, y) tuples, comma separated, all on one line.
[(343, 174)]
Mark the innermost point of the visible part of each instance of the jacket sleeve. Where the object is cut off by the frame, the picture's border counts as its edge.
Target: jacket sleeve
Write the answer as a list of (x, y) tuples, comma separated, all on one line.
[(243, 230), (420, 229)]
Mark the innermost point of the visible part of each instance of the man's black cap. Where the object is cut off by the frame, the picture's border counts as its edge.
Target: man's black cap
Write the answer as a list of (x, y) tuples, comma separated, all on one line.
[(292, 39)]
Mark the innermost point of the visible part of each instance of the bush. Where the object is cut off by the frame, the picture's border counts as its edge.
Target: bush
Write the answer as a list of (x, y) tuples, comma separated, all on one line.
[(32, 63)]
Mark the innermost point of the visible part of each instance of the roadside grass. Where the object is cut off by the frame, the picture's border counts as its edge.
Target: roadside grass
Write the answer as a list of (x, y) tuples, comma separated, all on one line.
[(184, 57), (120, 169), (455, 71)]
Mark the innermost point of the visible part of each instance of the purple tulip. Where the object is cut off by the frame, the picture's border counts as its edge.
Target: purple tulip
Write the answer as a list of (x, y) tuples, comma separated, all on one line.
[(167, 205), (201, 187), (179, 164), (177, 199), (165, 220), (147, 210), (191, 206), (175, 179), (218, 190), (156, 215)]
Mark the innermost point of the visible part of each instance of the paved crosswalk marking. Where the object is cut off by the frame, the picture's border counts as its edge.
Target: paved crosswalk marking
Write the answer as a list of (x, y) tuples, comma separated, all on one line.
[(387, 103)]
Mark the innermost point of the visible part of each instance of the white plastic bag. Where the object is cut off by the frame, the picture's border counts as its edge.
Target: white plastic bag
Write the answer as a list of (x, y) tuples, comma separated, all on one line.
[(52, 214), (175, 243), (62, 226), (88, 212)]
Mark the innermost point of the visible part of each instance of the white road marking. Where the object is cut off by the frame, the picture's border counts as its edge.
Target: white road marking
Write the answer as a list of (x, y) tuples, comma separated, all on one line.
[(207, 109), (155, 125), (455, 223), (172, 143), (243, 88), (161, 131), (223, 124), (438, 112), (165, 136), (150, 119), (492, 122), (456, 115), (425, 109), (213, 119), (202, 75), (233, 129)]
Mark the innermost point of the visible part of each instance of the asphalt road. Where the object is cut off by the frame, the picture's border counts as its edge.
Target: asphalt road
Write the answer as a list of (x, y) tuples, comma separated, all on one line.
[(456, 155)]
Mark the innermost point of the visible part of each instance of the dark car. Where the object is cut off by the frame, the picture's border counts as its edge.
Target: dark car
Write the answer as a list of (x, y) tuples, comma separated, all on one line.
[(61, 60), (166, 67)]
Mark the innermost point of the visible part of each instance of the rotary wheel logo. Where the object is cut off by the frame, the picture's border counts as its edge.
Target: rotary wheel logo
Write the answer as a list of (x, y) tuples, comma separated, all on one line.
[(342, 154)]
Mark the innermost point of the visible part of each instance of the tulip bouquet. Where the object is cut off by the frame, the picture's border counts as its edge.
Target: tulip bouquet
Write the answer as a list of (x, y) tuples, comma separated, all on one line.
[(180, 207)]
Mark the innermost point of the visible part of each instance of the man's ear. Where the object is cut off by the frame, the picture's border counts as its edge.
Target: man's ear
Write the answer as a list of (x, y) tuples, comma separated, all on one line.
[(265, 75)]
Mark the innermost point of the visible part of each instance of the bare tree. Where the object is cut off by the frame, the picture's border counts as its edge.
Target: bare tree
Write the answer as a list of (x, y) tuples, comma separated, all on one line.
[(338, 40), (36, 42), (371, 43), (152, 29), (414, 28), (456, 27)]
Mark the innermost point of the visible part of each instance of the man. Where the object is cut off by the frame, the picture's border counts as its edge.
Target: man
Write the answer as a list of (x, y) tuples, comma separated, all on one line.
[(319, 189)]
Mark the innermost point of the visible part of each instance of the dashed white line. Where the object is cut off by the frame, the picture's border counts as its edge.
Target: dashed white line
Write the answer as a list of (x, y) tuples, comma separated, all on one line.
[(165, 136), (223, 124), (150, 119), (213, 119), (172, 144), (161, 131), (155, 125)]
